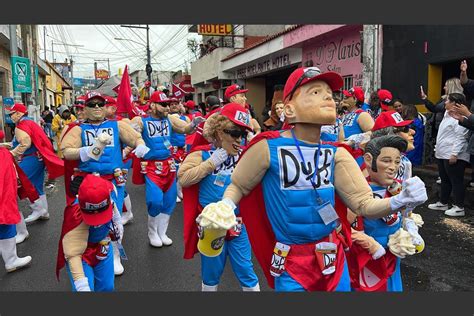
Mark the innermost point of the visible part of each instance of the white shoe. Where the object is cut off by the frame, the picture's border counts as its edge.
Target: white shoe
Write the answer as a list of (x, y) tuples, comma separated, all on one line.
[(455, 211), (209, 288), (21, 231), (155, 240), (11, 259), (255, 288), (178, 199), (127, 217), (118, 267), (39, 212), (438, 181), (438, 206), (471, 184), (163, 221)]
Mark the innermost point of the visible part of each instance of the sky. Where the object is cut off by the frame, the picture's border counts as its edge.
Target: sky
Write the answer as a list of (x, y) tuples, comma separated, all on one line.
[(89, 43)]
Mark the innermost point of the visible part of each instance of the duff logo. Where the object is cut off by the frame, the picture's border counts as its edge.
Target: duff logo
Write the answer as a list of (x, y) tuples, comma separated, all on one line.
[(295, 175), (90, 135), (158, 128), (348, 119), (228, 166), (242, 117)]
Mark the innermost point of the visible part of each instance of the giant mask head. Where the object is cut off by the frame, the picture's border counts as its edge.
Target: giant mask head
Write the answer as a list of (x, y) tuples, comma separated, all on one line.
[(94, 107), (226, 128), (382, 157), (308, 96), (159, 104)]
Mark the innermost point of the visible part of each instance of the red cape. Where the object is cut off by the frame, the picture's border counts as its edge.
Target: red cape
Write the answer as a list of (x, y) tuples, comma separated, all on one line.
[(253, 212), (192, 209), (53, 163), (69, 166), (9, 212), (72, 218)]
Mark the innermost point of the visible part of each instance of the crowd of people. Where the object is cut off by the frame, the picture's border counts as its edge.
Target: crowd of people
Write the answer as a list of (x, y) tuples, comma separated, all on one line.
[(322, 192)]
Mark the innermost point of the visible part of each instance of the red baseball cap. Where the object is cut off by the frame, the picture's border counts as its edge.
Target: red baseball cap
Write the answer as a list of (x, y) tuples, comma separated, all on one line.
[(233, 90), (94, 200), (302, 76), (92, 95), (159, 97), (237, 114), (190, 104), (355, 92), (385, 97), (390, 118), (174, 99), (18, 107), (147, 83), (109, 101)]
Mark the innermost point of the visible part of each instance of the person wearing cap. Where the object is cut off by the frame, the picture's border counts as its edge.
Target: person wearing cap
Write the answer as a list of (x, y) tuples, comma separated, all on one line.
[(392, 123), (145, 92), (34, 152), (292, 213), (206, 172), (158, 167), (235, 94), (379, 243), (60, 120), (178, 141), (379, 101), (89, 226), (97, 144), (79, 112), (356, 121), (12, 224)]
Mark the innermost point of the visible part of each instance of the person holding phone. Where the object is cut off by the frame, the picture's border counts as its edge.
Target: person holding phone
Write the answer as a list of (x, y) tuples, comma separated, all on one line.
[(453, 157), (468, 85)]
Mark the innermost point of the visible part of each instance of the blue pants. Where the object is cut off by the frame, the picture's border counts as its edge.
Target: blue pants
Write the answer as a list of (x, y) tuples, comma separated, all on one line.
[(101, 277), (158, 202), (285, 283), (34, 170), (7, 231), (238, 250), (394, 283)]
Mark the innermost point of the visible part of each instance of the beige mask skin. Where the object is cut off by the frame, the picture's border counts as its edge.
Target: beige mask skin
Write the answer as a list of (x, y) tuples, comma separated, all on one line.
[(388, 163), (174, 107), (110, 111), (239, 98), (409, 137), (95, 114), (80, 115), (158, 110), (312, 103), (230, 144), (350, 102), (16, 116)]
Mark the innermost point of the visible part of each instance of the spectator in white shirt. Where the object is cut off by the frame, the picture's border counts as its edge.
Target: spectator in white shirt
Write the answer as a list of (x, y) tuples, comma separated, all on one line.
[(453, 157)]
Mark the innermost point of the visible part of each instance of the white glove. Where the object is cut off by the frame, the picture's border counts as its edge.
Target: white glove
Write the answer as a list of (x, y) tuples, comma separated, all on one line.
[(413, 194), (97, 149), (282, 116), (197, 120), (417, 219), (82, 285), (218, 157), (141, 150), (379, 253), (229, 202), (411, 227), (400, 244)]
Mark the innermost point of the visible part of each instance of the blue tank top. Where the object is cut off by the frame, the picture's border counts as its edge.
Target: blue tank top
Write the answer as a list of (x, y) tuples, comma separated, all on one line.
[(210, 191), (177, 139), (289, 196), (98, 233), (351, 126), (112, 156), (32, 148), (378, 228), (157, 136)]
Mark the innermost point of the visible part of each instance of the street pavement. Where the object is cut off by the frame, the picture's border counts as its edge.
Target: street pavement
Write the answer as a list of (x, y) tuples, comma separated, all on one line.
[(445, 265)]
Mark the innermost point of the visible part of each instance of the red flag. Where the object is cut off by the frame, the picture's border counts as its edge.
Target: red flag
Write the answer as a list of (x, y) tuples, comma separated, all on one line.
[(124, 98), (178, 92)]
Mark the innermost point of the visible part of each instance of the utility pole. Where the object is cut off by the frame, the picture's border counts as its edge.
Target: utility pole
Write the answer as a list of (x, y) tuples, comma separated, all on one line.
[(72, 78), (52, 49), (95, 73), (371, 58), (148, 68), (108, 65)]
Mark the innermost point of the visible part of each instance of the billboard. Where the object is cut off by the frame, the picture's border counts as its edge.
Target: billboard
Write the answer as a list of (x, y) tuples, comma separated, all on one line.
[(215, 29)]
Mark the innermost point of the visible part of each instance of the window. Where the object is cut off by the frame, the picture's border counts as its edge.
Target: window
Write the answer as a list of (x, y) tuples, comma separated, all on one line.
[(348, 82)]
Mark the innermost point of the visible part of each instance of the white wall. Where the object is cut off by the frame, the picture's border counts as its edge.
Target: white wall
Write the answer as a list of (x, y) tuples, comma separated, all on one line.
[(209, 66)]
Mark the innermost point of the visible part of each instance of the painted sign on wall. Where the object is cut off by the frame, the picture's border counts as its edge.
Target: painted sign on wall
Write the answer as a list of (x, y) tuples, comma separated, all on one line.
[(340, 53)]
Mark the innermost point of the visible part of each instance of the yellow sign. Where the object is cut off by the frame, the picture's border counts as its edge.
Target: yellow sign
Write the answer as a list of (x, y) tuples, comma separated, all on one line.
[(215, 29)]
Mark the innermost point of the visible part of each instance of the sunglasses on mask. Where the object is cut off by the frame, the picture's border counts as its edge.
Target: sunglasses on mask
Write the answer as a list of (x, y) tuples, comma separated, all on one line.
[(95, 104), (236, 133), (310, 73), (404, 129)]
